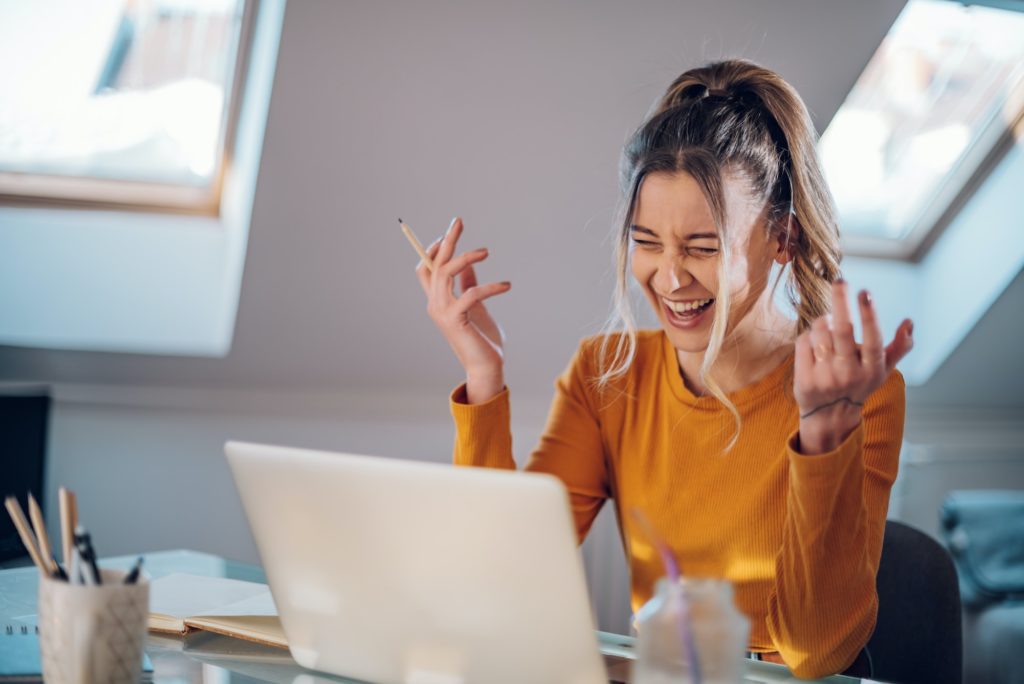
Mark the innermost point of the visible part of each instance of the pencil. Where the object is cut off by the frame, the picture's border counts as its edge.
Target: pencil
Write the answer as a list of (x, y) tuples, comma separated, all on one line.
[(18, 516), (39, 526), (68, 521), (417, 245)]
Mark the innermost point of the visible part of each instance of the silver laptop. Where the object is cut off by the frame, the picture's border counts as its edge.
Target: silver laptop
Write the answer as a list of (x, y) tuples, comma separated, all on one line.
[(400, 571)]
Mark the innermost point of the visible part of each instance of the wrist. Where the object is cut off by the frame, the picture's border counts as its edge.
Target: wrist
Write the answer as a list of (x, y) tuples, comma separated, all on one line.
[(482, 387), (827, 429)]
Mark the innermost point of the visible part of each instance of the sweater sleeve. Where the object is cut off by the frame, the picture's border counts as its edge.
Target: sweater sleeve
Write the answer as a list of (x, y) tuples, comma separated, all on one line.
[(824, 605), (570, 447)]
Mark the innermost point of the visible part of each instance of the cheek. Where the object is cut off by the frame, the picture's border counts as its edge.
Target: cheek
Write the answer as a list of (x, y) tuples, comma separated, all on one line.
[(641, 267), (736, 275)]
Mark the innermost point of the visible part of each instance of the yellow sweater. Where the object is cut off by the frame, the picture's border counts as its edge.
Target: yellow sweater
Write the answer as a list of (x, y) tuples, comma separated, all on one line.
[(798, 536)]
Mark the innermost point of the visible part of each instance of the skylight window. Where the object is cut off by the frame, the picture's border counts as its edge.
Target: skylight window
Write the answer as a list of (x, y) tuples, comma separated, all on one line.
[(118, 101), (938, 100)]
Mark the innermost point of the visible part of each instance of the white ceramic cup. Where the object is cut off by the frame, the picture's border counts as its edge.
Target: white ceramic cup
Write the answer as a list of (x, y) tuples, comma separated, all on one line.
[(92, 634)]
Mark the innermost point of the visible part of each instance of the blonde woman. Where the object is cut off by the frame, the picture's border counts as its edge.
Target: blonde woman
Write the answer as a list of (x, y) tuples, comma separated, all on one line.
[(762, 447)]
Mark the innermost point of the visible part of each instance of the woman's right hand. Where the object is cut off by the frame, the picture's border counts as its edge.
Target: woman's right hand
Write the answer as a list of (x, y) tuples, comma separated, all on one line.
[(472, 333)]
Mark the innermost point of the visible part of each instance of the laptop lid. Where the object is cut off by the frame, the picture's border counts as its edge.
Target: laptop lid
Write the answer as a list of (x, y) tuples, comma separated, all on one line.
[(400, 571)]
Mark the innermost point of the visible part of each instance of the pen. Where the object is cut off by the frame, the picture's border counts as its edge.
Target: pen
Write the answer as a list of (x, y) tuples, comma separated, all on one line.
[(84, 544), (133, 575), (58, 571), (75, 567), (417, 245)]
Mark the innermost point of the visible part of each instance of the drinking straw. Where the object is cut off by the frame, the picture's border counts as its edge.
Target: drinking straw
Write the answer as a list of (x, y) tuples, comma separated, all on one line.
[(668, 560)]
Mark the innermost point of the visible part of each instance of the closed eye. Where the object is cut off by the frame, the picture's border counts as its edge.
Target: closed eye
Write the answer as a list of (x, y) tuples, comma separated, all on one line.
[(693, 251)]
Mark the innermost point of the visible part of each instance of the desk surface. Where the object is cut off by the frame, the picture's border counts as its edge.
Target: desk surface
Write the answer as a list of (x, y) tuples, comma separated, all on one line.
[(208, 658)]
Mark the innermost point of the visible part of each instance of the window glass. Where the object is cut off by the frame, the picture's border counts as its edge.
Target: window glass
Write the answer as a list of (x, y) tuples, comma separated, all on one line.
[(929, 98), (126, 90)]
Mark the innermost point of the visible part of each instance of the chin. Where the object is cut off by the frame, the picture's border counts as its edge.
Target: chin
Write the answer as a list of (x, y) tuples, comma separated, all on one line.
[(687, 341)]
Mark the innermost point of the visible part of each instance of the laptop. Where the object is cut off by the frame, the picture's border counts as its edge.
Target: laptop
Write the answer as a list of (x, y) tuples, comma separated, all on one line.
[(388, 570)]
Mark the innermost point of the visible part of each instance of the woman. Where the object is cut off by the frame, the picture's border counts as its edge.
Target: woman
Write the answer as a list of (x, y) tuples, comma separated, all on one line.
[(761, 447)]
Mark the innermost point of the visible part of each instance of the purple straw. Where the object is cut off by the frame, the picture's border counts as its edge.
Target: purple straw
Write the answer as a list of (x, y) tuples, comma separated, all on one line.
[(668, 559)]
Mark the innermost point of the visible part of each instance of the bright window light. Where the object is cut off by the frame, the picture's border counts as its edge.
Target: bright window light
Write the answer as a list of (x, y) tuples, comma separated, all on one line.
[(116, 100), (931, 104)]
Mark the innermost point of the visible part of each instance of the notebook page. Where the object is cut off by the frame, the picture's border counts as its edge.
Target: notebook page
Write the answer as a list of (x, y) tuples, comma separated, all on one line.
[(181, 595), (258, 604)]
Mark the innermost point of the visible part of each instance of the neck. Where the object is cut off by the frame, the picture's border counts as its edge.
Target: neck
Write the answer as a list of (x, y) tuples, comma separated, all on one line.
[(756, 347)]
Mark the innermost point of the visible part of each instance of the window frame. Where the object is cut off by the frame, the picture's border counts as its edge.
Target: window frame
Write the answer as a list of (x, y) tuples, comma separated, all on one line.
[(20, 189)]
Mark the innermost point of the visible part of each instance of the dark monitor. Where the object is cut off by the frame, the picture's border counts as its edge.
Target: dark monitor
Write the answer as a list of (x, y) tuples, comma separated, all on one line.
[(23, 422)]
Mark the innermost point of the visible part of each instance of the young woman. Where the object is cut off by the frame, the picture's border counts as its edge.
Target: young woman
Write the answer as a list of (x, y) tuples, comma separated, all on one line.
[(762, 447)]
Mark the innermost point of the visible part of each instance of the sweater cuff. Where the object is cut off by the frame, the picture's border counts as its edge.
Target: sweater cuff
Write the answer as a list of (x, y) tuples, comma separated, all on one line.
[(817, 469), (481, 430), (459, 400)]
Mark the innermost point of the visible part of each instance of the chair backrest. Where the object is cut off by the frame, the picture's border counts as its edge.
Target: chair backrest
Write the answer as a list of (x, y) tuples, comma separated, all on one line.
[(918, 634)]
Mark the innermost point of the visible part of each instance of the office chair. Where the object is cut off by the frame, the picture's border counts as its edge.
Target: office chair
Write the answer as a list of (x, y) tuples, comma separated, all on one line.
[(917, 637)]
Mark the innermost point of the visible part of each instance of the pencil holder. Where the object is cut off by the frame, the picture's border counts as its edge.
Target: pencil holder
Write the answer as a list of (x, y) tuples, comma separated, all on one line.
[(92, 633)]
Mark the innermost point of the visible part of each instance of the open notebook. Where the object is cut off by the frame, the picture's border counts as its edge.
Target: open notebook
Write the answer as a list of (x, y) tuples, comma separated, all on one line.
[(180, 603)]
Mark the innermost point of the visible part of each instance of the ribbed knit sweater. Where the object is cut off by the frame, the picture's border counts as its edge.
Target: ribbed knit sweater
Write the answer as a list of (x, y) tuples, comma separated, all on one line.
[(799, 536)]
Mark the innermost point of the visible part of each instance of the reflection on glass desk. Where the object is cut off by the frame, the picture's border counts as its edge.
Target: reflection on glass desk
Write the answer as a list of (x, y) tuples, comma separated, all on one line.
[(214, 659)]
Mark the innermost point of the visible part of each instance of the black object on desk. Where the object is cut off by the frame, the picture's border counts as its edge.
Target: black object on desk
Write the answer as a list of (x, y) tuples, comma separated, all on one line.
[(23, 420)]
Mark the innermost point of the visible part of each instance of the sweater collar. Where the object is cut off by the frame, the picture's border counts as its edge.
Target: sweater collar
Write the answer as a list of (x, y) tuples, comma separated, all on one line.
[(771, 382)]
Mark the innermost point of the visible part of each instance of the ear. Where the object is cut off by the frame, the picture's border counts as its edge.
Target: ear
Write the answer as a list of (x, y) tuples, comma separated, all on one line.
[(786, 237)]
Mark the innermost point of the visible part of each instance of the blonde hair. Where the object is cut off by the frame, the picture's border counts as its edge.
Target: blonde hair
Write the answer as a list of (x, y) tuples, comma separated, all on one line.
[(730, 116)]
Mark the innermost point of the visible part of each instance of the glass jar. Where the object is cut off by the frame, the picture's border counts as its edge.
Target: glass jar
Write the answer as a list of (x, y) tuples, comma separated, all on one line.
[(718, 630)]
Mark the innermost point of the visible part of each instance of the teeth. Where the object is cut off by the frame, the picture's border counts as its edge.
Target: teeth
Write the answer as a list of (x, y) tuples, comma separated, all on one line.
[(683, 307)]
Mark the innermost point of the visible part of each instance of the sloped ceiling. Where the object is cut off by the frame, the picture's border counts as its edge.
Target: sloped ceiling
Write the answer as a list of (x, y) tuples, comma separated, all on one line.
[(987, 369)]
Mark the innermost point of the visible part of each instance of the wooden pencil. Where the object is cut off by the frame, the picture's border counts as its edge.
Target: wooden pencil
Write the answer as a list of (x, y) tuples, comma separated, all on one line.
[(39, 525), (417, 245), (21, 524), (68, 521)]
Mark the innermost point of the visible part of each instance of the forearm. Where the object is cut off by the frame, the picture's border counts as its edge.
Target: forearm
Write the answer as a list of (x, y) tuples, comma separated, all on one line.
[(842, 463), (824, 604)]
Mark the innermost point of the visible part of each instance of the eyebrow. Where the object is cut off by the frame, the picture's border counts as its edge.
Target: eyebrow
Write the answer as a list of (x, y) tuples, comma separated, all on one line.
[(692, 236)]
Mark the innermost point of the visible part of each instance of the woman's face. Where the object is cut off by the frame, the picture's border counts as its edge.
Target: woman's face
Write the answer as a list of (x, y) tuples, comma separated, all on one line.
[(676, 251)]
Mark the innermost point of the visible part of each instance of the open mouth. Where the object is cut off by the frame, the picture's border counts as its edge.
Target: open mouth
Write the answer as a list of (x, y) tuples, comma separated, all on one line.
[(686, 314)]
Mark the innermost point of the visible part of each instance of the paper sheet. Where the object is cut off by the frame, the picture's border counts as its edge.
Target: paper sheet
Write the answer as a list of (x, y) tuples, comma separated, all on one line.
[(182, 595)]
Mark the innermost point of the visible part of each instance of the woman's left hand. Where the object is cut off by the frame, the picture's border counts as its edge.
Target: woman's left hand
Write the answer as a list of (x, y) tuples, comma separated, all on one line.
[(834, 375)]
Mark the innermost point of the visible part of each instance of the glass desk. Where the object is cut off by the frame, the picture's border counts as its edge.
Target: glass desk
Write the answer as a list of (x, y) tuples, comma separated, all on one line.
[(203, 657)]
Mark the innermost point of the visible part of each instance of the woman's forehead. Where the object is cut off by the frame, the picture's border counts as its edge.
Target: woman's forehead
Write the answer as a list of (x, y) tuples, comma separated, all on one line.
[(675, 203)]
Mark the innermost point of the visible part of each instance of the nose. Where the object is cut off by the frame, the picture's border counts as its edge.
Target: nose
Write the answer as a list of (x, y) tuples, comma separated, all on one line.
[(672, 274)]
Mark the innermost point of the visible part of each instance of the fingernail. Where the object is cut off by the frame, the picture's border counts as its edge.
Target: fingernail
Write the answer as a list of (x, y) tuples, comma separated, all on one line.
[(840, 281), (450, 226), (865, 298), (910, 328)]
